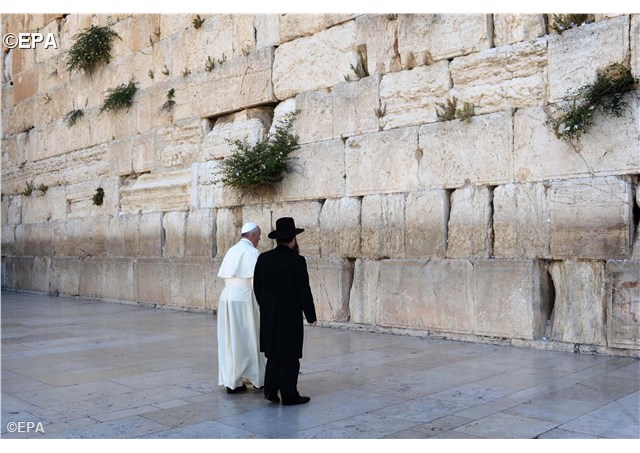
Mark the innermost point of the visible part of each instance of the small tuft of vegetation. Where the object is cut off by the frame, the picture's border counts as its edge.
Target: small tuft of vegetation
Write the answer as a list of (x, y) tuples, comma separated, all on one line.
[(186, 72), (72, 117), (98, 197), (605, 95), (466, 113), (263, 164), (119, 97), (29, 189), (209, 64), (43, 188), (197, 21), (450, 111), (92, 48), (168, 106), (563, 22)]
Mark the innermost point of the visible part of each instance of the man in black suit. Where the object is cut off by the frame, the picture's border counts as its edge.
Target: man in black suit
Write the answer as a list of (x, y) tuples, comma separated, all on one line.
[(281, 286)]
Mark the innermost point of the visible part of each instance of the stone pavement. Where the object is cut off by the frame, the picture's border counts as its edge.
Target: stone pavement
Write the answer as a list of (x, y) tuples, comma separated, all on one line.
[(79, 368)]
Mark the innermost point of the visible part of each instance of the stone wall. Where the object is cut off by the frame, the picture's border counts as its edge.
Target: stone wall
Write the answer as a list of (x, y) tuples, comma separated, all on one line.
[(491, 230)]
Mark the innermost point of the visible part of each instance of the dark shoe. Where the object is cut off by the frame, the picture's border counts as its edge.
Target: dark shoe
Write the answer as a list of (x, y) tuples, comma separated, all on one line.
[(237, 389), (258, 388), (300, 400), (272, 399)]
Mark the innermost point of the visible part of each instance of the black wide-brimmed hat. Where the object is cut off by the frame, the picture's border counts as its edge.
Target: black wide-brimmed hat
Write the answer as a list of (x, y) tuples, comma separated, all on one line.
[(285, 228)]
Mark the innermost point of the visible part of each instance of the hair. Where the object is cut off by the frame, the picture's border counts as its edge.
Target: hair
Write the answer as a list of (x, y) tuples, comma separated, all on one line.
[(285, 241)]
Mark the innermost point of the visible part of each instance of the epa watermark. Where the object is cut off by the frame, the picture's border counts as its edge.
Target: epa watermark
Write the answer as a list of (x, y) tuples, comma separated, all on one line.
[(25, 427), (29, 40)]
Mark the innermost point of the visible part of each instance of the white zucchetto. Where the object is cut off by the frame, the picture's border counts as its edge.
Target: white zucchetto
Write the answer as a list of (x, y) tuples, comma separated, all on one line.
[(249, 226)]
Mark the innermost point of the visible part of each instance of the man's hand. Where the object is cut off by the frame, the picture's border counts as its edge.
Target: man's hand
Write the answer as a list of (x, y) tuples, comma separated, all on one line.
[(313, 324)]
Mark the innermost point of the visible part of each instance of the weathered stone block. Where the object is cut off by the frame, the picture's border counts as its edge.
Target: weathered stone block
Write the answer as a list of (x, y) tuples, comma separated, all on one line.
[(354, 107), (391, 155), (25, 85), (330, 280), (318, 61), (179, 145), (31, 274), (236, 84), (144, 153), (150, 234), (8, 239), (267, 30), (296, 25), (200, 233), (623, 304), (153, 280), (35, 239), (580, 304), (521, 221), (383, 226), (425, 38), (502, 78), (600, 43), (635, 44), (248, 125), (213, 285), (426, 224), (317, 172), (591, 218), (64, 275), (306, 215), (228, 225), (512, 28), (157, 192), (510, 298), (314, 123), (244, 34), (364, 297), (340, 227), (79, 198), (13, 214), (187, 282), (174, 225), (456, 154), (208, 191), (470, 223), (377, 34), (408, 98), (122, 235), (609, 147), (44, 206), (81, 237)]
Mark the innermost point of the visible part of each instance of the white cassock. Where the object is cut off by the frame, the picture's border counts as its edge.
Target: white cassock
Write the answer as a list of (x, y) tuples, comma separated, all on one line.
[(239, 353)]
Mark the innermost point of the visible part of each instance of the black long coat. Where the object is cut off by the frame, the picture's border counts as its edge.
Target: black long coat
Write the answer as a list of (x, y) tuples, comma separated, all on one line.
[(281, 285)]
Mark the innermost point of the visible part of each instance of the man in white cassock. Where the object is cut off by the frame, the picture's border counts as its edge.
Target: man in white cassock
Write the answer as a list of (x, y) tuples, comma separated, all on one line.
[(239, 356)]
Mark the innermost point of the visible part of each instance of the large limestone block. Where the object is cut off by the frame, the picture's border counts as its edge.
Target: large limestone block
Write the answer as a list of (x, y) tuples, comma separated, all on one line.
[(228, 225), (580, 304), (382, 162), (364, 306), (623, 304), (179, 145), (8, 239), (132, 154), (609, 147), (249, 125), (174, 225), (408, 98), (43, 207), (296, 25), (200, 233), (79, 198), (64, 276), (153, 280), (330, 280), (81, 237), (511, 298), (35, 239), (208, 191), (424, 38), (455, 154), (115, 279), (244, 34), (317, 172), (150, 234), (512, 28), (267, 28), (354, 107), (8, 275), (214, 39), (165, 191), (236, 84), (213, 284), (319, 61), (503, 77), (591, 218), (13, 214), (635, 45), (383, 226), (600, 43), (187, 282), (122, 236), (470, 232), (315, 122), (521, 221), (426, 224), (377, 33), (306, 215), (31, 274), (340, 227)]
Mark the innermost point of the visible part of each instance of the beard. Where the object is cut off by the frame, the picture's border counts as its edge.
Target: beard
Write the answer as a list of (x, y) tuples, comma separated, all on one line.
[(296, 248)]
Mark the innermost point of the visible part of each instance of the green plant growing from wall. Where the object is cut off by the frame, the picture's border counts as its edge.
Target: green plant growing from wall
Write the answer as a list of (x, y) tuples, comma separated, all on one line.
[(98, 197), (209, 64), (29, 189), (466, 113), (169, 104), (43, 188), (119, 97), (606, 95), (92, 48), (72, 117), (563, 22), (450, 111), (197, 21), (263, 164)]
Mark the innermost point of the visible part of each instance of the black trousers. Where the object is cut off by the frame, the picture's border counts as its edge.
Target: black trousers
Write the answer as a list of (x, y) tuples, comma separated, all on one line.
[(282, 374)]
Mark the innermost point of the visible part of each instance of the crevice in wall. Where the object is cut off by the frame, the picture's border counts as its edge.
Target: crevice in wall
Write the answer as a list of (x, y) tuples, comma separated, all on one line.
[(551, 298), (492, 235), (351, 275), (448, 195), (163, 235), (635, 212)]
